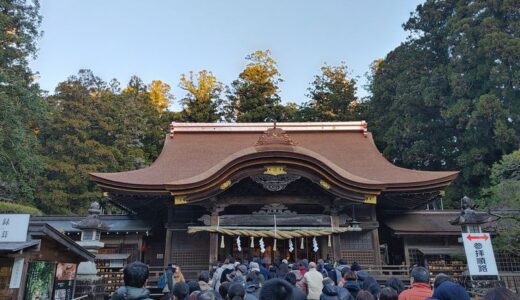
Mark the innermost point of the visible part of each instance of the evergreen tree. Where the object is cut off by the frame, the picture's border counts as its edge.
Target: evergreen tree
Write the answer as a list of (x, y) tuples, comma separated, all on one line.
[(253, 97), (93, 128), (21, 109), (332, 96), (203, 102), (447, 98)]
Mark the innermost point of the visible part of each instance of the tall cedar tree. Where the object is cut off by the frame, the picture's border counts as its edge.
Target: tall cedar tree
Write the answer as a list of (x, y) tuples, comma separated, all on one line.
[(21, 109), (203, 102), (253, 97), (94, 128), (332, 96), (448, 97)]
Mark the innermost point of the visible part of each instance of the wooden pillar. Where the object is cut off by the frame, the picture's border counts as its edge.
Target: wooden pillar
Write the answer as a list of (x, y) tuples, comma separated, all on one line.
[(213, 239), (168, 238), (336, 239), (168, 247), (375, 238)]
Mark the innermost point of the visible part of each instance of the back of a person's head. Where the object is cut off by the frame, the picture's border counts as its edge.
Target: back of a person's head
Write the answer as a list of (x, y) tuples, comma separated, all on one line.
[(388, 293), (342, 262), (276, 289), (365, 295), (420, 274), (312, 265), (350, 275), (344, 270), (500, 293), (135, 274), (327, 281), (181, 290), (194, 286), (396, 284), (374, 289), (209, 295), (291, 278), (204, 276), (450, 290), (440, 278), (223, 289), (355, 267), (236, 291)]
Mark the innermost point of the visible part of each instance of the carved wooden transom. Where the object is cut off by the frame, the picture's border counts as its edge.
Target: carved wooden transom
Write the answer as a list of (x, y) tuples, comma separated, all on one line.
[(274, 183), (274, 209)]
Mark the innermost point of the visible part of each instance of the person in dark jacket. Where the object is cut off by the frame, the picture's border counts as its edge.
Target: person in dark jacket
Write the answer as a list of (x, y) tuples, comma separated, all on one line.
[(332, 292), (135, 276), (276, 289), (449, 290), (388, 293), (181, 291), (351, 283), (396, 284), (168, 288)]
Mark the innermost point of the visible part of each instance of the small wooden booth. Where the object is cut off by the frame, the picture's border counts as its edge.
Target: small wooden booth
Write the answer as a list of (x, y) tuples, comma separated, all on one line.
[(41, 267)]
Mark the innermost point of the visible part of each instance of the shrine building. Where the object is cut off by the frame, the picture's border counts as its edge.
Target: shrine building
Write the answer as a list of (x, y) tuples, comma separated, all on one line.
[(289, 190)]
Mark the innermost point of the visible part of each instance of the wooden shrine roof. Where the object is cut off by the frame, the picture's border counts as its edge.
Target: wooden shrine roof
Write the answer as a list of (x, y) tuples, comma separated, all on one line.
[(197, 154), (424, 222)]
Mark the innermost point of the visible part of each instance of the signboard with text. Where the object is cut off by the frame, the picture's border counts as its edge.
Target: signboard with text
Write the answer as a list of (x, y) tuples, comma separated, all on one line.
[(479, 253), (13, 227)]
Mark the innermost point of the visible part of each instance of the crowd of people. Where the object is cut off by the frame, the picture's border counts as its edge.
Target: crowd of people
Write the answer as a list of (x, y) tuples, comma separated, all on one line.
[(233, 280)]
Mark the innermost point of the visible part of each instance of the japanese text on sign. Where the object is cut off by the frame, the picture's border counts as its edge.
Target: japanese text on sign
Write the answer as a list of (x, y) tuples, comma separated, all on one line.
[(479, 254), (13, 227)]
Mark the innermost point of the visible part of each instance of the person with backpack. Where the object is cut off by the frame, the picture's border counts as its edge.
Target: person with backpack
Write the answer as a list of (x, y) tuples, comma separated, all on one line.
[(166, 282)]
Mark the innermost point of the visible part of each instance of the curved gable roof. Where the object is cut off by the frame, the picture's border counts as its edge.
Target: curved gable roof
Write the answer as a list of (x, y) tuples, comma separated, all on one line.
[(195, 152)]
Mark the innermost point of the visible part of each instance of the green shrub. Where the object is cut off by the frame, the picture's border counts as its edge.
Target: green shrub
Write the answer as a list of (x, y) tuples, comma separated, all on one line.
[(15, 208)]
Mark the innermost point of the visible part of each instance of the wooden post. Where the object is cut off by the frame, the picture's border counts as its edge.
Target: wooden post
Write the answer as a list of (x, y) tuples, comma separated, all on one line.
[(375, 239), (213, 239), (336, 239), (168, 239), (168, 247)]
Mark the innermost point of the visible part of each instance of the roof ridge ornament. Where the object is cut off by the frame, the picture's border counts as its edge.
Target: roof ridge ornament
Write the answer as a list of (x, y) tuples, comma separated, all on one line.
[(275, 136)]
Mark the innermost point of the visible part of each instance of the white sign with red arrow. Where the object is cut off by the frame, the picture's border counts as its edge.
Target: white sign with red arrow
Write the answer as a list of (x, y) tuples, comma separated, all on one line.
[(479, 253)]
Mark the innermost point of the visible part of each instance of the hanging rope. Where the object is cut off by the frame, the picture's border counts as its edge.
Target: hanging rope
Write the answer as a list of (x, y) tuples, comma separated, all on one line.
[(280, 234)]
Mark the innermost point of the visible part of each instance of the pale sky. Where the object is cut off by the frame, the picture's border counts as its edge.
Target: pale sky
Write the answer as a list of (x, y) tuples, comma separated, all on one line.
[(163, 39)]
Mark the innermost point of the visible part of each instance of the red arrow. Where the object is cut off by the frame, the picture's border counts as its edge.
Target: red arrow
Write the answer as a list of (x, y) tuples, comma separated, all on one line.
[(477, 237)]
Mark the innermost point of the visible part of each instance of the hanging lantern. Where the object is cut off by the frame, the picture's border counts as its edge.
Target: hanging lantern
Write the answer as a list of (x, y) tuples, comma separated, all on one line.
[(252, 245), (239, 245), (222, 245), (291, 246), (274, 245), (302, 244), (354, 224), (329, 243)]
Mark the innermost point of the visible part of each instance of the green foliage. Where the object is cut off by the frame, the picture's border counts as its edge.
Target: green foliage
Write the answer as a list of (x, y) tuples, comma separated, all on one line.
[(446, 99), (253, 97), (332, 96), (504, 197), (7, 207), (203, 102), (93, 127), (21, 110)]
